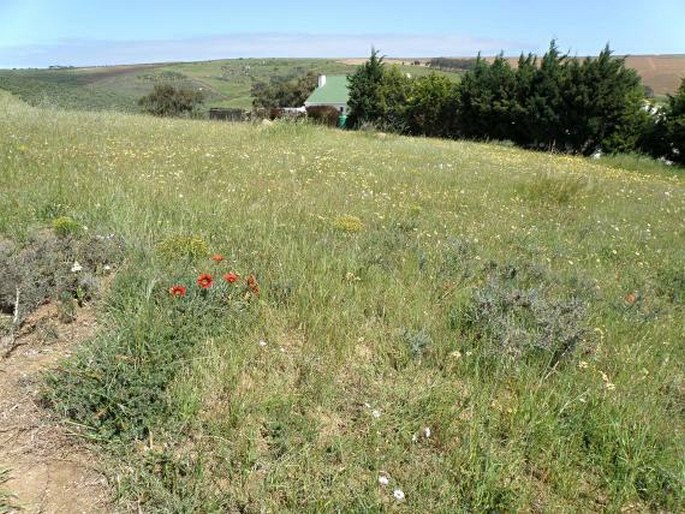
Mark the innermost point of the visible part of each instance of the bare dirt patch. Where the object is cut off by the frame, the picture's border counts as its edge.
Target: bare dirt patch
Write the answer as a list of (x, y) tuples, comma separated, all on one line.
[(50, 470)]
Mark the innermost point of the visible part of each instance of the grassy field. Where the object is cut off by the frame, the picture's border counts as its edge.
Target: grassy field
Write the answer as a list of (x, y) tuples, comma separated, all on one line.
[(225, 83), (416, 325)]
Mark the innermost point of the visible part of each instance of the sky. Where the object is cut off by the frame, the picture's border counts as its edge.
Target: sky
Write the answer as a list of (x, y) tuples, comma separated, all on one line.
[(40, 33)]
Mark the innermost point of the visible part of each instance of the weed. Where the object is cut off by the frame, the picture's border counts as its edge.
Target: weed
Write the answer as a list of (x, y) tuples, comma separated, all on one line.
[(64, 226), (671, 283), (7, 504), (140, 361), (54, 267), (347, 223), (183, 247), (550, 188), (512, 316), (66, 307), (417, 341)]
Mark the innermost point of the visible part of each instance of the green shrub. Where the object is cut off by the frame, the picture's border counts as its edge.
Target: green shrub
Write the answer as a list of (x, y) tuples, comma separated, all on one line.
[(323, 115), (549, 188), (519, 312), (65, 226), (167, 100), (183, 247)]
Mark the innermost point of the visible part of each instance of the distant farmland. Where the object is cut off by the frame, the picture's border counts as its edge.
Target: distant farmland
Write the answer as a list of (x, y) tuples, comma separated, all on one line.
[(662, 73)]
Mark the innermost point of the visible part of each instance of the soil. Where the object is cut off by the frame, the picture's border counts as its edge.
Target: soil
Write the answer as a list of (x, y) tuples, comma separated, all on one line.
[(51, 470)]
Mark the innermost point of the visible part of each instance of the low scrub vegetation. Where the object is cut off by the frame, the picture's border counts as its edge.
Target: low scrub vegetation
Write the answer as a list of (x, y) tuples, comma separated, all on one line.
[(168, 100), (298, 319)]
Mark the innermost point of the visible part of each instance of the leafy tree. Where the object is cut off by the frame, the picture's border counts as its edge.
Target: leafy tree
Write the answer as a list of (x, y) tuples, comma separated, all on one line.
[(283, 91), (393, 92), (167, 100), (432, 106), (365, 84)]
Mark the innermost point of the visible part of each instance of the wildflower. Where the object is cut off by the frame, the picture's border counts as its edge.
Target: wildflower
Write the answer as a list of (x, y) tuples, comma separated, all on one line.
[(427, 432), (398, 494), (231, 277), (383, 480), (177, 291), (205, 281), (351, 277), (76, 267), (262, 343), (217, 257), (376, 413), (252, 284)]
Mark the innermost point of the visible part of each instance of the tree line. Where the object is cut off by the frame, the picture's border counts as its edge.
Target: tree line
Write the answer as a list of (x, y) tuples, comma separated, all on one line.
[(553, 103)]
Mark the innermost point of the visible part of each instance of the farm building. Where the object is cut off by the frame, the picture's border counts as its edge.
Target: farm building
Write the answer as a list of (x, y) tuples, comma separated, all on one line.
[(331, 91)]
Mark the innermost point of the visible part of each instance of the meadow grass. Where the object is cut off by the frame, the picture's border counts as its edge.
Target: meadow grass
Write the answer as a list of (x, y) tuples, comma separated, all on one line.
[(483, 328)]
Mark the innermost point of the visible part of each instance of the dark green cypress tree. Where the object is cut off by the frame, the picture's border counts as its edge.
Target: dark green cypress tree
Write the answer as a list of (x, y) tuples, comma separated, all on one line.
[(544, 105), (522, 130), (365, 91), (615, 114), (487, 100), (674, 124)]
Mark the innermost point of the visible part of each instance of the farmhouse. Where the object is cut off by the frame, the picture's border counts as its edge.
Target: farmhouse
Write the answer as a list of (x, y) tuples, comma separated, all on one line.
[(331, 91)]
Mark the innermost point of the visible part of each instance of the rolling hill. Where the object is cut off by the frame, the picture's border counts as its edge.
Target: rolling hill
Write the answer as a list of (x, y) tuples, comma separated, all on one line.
[(227, 83)]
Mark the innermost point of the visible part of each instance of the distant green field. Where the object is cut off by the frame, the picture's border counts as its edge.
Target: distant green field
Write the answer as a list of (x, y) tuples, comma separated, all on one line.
[(226, 83), (432, 326)]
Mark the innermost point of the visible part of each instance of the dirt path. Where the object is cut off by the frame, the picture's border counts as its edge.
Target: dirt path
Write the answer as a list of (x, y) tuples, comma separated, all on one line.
[(50, 471)]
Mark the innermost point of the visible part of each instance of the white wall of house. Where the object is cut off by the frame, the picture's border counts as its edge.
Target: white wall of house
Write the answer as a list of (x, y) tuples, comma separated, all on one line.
[(344, 107)]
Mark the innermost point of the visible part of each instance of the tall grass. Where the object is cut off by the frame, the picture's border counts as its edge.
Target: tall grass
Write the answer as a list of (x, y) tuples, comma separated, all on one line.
[(405, 285)]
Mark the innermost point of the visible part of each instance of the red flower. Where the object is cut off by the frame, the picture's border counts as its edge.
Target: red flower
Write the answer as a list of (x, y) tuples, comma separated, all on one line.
[(205, 281), (252, 284), (177, 291), (217, 257), (230, 277)]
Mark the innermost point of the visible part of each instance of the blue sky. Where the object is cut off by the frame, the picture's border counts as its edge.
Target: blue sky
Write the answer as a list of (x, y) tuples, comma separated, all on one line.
[(91, 32)]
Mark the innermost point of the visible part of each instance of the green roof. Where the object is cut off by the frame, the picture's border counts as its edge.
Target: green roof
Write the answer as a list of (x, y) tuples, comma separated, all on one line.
[(334, 91)]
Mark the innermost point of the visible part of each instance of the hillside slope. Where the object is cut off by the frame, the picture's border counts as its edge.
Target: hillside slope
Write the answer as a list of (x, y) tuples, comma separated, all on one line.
[(312, 320), (225, 83)]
